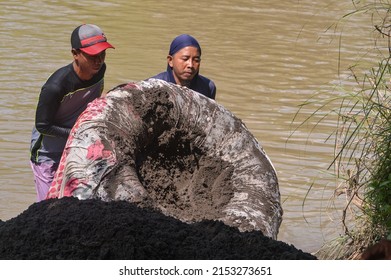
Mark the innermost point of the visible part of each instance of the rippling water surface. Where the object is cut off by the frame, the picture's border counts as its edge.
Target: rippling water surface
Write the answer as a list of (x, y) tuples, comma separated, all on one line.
[(266, 58)]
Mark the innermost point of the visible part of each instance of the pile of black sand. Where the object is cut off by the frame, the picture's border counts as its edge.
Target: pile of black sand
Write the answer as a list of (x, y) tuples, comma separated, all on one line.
[(74, 229)]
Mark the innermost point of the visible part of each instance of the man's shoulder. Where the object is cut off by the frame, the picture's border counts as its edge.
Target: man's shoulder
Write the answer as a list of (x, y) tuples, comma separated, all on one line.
[(60, 74), (161, 76), (205, 79), (206, 86), (59, 81)]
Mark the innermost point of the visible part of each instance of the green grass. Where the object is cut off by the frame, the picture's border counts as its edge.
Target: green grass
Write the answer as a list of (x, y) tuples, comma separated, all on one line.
[(362, 161)]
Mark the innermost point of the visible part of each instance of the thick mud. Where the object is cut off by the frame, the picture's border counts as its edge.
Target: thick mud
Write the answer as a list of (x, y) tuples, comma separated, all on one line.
[(73, 229)]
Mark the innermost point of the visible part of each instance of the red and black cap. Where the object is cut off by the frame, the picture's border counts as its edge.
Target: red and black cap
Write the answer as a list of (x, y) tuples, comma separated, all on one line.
[(90, 39)]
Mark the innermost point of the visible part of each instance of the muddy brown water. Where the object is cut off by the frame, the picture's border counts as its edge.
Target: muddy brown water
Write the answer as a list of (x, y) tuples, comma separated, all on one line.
[(266, 58)]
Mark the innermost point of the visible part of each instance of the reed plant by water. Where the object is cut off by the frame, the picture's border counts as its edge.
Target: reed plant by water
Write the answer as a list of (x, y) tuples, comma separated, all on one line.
[(362, 141)]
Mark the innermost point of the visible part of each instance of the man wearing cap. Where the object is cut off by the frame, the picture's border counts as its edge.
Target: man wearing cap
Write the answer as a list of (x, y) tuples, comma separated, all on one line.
[(63, 98), (183, 65)]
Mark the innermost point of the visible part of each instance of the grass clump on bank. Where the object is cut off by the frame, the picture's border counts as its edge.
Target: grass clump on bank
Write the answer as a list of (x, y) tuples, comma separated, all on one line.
[(362, 160)]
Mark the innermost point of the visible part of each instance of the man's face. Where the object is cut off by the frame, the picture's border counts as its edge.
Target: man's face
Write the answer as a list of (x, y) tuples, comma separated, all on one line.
[(185, 64), (89, 65)]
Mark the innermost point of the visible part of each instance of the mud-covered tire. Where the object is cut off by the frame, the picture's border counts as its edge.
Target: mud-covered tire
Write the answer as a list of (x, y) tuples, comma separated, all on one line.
[(172, 149)]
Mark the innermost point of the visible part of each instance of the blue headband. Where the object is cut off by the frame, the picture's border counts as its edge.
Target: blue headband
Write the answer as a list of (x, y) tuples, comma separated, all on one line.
[(181, 42)]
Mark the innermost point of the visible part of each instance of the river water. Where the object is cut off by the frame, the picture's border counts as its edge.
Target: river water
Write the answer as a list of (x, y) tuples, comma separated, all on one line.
[(266, 58)]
